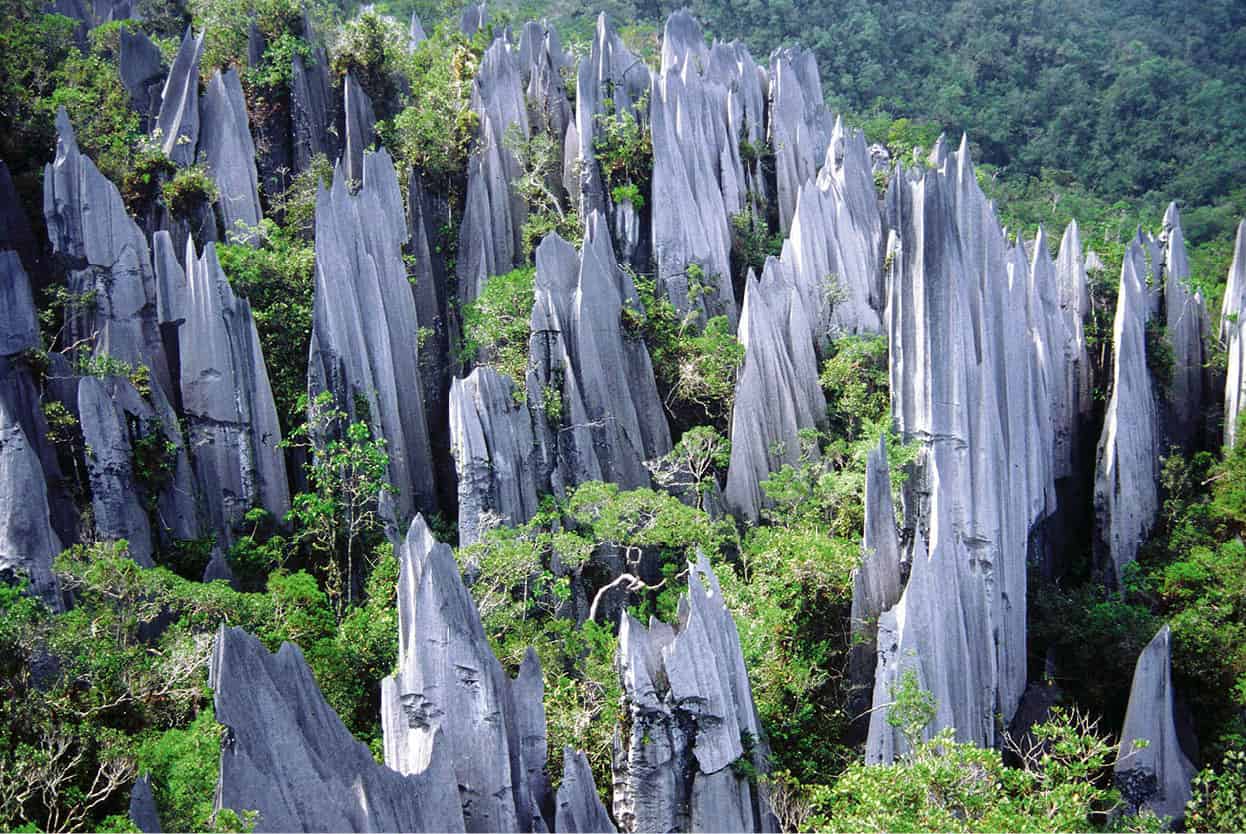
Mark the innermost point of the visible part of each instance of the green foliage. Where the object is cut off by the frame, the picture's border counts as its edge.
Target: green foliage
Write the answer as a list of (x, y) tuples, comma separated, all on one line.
[(190, 188), (628, 193), (277, 278), (911, 710), (497, 324), (89, 88), (184, 765), (277, 63), (1159, 356), (548, 212), (623, 146), (1219, 799), (225, 24), (855, 379), (373, 49), (751, 243)]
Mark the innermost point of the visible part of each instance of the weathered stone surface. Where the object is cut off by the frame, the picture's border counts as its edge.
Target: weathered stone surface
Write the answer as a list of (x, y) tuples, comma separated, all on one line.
[(228, 401), (364, 344), (528, 702), (15, 232), (876, 583), (226, 148), (287, 756), (1154, 776), (28, 544), (415, 34), (142, 72), (451, 693), (501, 462), (218, 568), (777, 393), (800, 126), (611, 417), (1075, 302), (178, 120), (834, 253), (691, 234), (1186, 327), (171, 301), (119, 511), (19, 323), (579, 808), (360, 127), (105, 254), (311, 110), (143, 812), (690, 707), (1127, 472), (1233, 335), (609, 71), (474, 18)]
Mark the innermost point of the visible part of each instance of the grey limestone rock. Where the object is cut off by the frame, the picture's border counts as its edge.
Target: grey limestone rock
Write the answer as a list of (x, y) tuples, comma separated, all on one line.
[(579, 808), (143, 811), (777, 392), (876, 582), (286, 754), (1157, 775), (178, 120), (106, 256), (1233, 336), (142, 72), (360, 124), (1186, 328), (691, 710), (365, 329), (171, 299), (311, 110), (501, 461), (226, 147), (228, 400), (415, 34), (15, 231), (19, 323), (474, 18), (1075, 302), (800, 126), (218, 568), (28, 544), (451, 697), (1127, 471)]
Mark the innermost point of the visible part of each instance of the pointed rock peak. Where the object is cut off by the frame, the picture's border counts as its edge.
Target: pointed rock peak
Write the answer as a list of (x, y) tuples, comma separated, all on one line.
[(416, 34), (65, 136), (19, 322), (1172, 217), (578, 807), (1072, 239)]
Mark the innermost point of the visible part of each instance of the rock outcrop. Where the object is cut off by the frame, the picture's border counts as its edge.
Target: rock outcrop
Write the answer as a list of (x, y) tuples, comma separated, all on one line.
[(1186, 327), (1156, 775), (228, 401), (227, 150), (364, 346), (287, 756), (1127, 472), (360, 127), (777, 395), (28, 544), (1233, 336), (143, 73), (578, 807), (143, 811), (312, 111), (451, 697), (178, 120), (1074, 297), (690, 717), (501, 461), (800, 126)]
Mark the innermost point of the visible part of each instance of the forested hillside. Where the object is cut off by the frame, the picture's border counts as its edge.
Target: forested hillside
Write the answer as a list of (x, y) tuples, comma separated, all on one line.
[(540, 416)]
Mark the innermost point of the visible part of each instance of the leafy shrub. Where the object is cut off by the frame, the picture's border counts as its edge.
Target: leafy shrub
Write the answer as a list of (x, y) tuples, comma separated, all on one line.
[(1219, 798), (373, 49), (190, 188), (622, 146), (548, 212), (497, 324), (107, 128)]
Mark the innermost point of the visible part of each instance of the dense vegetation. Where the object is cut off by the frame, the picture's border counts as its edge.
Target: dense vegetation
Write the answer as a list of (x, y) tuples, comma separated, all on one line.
[(1100, 112)]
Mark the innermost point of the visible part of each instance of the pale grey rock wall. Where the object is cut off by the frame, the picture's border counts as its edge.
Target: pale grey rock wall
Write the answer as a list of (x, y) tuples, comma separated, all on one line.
[(143, 812), (1186, 326), (286, 755), (365, 328), (228, 401), (228, 152), (579, 809), (178, 120), (360, 123), (800, 126), (1233, 336), (1155, 776), (28, 544)]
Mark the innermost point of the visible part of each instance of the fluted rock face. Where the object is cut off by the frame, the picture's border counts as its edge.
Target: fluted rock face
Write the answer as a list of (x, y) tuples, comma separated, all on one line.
[(1155, 775), (415, 33), (578, 807), (1127, 473), (178, 120), (1051, 350), (1233, 335), (609, 71), (226, 148), (365, 329), (1186, 327), (287, 756), (360, 124), (876, 583), (612, 418), (501, 462), (142, 72), (143, 811), (1075, 303), (777, 394), (474, 18), (834, 253), (106, 255), (690, 710), (451, 697), (311, 110), (542, 62), (15, 231), (28, 544), (228, 400), (800, 126), (971, 331), (491, 240), (691, 235), (19, 323)]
